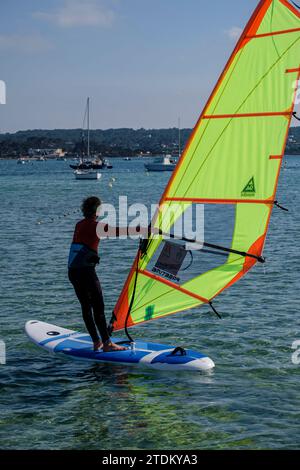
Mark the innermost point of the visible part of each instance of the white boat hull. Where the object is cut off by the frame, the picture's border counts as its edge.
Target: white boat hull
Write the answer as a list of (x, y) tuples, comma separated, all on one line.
[(87, 175), (159, 167)]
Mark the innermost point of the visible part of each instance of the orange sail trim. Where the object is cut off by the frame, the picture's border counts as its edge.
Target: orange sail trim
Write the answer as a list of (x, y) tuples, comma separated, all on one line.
[(247, 115), (254, 25), (122, 305), (173, 285), (276, 157), (259, 14), (256, 249), (274, 33), (292, 70), (122, 308), (131, 323), (220, 201)]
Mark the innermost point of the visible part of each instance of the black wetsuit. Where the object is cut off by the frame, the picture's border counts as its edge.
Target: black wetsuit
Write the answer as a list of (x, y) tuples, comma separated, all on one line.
[(82, 274)]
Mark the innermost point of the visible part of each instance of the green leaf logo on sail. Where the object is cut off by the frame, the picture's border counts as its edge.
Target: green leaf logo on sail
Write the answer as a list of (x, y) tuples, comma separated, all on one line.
[(149, 312), (249, 189)]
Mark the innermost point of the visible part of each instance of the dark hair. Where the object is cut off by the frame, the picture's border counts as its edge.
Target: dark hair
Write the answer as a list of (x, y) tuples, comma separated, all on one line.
[(90, 205)]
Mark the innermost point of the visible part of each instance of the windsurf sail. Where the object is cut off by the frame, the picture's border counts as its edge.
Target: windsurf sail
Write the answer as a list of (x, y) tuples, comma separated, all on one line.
[(231, 165)]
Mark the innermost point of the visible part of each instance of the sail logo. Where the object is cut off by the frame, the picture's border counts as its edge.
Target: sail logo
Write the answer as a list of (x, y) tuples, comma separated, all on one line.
[(165, 274), (149, 312), (2, 92), (249, 189)]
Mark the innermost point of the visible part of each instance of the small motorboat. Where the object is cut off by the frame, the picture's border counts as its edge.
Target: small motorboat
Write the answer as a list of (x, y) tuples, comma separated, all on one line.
[(87, 175), (164, 163)]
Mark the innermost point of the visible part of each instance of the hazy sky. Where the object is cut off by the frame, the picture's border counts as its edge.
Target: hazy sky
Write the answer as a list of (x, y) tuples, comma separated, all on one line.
[(143, 63)]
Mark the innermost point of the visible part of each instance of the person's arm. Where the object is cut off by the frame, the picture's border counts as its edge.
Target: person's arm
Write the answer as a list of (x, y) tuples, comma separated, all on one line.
[(108, 231)]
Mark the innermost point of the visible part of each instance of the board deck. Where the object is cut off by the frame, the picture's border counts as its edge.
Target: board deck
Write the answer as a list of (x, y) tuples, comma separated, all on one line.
[(80, 346)]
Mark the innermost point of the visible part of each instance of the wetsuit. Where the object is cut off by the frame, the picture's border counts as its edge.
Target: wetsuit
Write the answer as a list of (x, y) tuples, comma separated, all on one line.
[(83, 258)]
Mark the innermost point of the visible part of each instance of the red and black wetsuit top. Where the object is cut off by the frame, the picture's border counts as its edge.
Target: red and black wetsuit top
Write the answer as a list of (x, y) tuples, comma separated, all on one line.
[(86, 233), (84, 247)]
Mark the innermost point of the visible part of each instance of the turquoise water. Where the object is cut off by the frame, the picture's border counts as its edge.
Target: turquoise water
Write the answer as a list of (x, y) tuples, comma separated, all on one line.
[(252, 398)]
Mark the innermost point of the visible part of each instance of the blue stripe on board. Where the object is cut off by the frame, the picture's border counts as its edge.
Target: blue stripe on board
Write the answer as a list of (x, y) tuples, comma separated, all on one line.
[(167, 358), (152, 346), (85, 351), (55, 338), (74, 345), (73, 348), (129, 357)]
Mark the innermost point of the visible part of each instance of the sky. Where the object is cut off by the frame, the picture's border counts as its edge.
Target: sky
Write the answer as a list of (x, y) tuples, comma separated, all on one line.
[(143, 63)]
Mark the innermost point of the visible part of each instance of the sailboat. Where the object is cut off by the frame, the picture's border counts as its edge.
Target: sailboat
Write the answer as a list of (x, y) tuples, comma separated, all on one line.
[(231, 164), (85, 171)]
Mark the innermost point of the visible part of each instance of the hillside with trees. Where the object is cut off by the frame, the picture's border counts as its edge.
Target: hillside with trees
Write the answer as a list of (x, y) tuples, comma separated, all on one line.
[(110, 142)]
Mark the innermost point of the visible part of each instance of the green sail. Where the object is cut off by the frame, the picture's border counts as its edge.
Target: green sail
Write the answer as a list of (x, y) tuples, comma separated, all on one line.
[(232, 159)]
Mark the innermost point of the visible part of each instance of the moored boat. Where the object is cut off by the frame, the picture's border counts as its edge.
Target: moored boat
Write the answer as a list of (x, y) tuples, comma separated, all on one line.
[(87, 175), (164, 163)]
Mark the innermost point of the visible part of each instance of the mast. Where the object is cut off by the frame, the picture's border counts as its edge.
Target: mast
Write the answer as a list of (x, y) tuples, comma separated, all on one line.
[(88, 127)]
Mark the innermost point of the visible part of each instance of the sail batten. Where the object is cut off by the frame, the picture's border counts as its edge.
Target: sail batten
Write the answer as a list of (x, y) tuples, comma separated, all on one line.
[(245, 115), (231, 164), (273, 33), (224, 201), (172, 285)]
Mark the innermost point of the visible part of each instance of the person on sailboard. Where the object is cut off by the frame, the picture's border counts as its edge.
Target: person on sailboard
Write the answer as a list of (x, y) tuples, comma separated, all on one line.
[(83, 259)]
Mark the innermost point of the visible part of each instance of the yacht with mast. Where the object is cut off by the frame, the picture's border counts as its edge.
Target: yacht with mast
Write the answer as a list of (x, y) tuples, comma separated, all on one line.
[(85, 171)]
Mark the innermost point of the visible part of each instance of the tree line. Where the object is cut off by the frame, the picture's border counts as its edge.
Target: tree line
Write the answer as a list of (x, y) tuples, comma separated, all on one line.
[(110, 142)]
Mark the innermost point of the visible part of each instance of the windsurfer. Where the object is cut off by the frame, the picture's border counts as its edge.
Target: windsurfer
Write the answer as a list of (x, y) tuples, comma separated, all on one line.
[(83, 258)]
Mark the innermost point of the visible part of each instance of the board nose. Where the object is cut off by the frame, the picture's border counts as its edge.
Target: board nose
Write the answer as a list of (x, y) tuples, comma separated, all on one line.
[(28, 325)]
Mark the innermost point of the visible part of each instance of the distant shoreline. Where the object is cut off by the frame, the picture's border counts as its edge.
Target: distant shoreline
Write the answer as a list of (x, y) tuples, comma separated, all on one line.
[(134, 157), (122, 142), (71, 158)]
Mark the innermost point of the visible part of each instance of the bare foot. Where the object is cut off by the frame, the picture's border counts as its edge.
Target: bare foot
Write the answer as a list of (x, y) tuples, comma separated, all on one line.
[(109, 347), (98, 345)]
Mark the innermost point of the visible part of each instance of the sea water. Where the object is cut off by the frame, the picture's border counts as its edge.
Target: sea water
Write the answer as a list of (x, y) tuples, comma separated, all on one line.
[(250, 401)]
